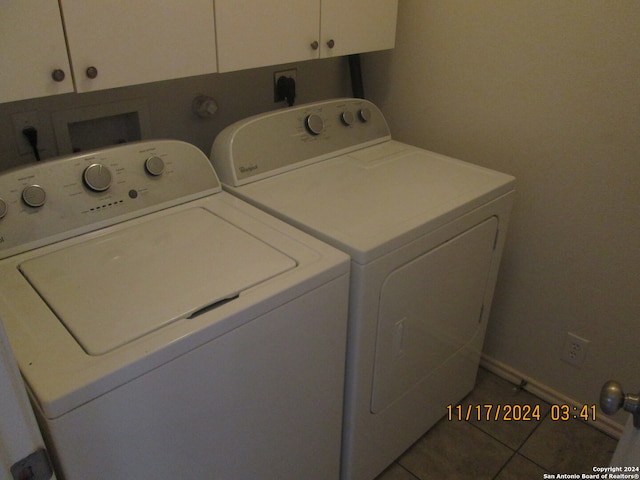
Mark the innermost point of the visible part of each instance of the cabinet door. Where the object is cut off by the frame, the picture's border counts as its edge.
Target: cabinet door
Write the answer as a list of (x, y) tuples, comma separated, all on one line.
[(31, 47), (356, 26), (137, 42), (256, 33)]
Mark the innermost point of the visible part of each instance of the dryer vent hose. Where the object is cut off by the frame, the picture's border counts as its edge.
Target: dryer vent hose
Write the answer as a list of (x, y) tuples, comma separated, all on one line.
[(356, 76)]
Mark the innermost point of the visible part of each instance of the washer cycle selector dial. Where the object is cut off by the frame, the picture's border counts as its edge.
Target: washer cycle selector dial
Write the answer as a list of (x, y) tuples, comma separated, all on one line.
[(97, 177), (314, 124), (34, 196), (154, 166)]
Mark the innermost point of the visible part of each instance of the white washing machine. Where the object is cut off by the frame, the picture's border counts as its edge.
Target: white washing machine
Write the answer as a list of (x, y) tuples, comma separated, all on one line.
[(425, 234), (165, 329)]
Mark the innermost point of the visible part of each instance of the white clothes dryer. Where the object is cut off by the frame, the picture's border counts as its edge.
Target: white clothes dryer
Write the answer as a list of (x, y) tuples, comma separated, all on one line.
[(425, 233), (166, 329)]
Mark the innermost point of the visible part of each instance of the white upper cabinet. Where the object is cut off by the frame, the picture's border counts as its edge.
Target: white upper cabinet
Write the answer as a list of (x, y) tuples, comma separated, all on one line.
[(32, 48), (357, 26), (116, 43), (257, 33), (120, 42)]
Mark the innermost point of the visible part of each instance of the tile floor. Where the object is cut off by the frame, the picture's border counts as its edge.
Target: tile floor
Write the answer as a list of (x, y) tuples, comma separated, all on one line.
[(498, 450)]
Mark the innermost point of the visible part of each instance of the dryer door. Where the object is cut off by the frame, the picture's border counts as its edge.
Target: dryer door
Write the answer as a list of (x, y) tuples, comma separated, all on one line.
[(430, 310)]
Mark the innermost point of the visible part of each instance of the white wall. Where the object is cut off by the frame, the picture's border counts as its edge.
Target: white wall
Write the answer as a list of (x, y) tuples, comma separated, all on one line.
[(548, 91)]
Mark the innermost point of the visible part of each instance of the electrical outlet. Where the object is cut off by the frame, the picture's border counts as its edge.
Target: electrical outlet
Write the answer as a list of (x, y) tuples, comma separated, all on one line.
[(293, 73), (21, 121), (574, 350)]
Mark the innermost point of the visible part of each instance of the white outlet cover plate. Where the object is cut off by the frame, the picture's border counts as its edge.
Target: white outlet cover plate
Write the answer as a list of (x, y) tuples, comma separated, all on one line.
[(574, 350)]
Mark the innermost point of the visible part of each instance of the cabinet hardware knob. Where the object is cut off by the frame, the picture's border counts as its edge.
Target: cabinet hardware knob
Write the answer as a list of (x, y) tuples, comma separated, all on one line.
[(58, 75), (315, 45), (331, 43), (92, 72)]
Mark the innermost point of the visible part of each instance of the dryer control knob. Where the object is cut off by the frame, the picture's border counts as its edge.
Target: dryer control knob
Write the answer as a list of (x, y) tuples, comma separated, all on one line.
[(34, 196), (97, 177), (154, 166), (314, 124), (364, 115), (347, 118), (3, 208)]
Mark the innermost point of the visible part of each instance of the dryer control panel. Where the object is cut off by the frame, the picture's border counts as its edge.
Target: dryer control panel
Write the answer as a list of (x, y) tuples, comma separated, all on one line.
[(295, 137), (56, 199)]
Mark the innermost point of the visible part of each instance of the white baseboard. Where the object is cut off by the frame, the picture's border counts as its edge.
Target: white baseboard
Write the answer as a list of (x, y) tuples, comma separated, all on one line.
[(549, 395)]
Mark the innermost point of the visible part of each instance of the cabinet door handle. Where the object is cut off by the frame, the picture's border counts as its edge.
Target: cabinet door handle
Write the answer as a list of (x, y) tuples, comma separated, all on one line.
[(58, 75), (92, 72), (331, 43), (315, 45)]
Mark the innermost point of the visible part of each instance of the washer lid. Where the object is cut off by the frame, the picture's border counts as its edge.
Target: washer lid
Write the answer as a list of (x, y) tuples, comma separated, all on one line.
[(117, 287)]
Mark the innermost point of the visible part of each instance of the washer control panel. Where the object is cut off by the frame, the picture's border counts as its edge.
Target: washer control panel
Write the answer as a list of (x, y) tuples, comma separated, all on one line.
[(55, 199), (294, 137)]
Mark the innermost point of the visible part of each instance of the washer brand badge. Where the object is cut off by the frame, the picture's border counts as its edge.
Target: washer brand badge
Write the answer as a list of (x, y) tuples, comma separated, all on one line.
[(248, 169)]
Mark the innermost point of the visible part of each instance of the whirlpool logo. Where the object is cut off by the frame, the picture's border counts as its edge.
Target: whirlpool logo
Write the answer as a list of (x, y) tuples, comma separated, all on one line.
[(248, 169)]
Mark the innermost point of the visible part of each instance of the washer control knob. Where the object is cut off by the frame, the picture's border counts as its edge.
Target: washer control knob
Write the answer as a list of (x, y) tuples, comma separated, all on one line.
[(314, 124), (154, 166), (34, 196), (3, 208), (364, 114), (347, 118), (97, 177)]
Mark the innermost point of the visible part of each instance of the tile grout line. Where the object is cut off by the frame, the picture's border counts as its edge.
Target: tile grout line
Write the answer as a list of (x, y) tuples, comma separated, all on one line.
[(408, 471), (522, 444), (529, 436), (513, 454)]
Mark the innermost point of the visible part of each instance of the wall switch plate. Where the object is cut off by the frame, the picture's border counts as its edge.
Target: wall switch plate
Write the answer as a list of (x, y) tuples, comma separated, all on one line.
[(21, 121), (574, 350)]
